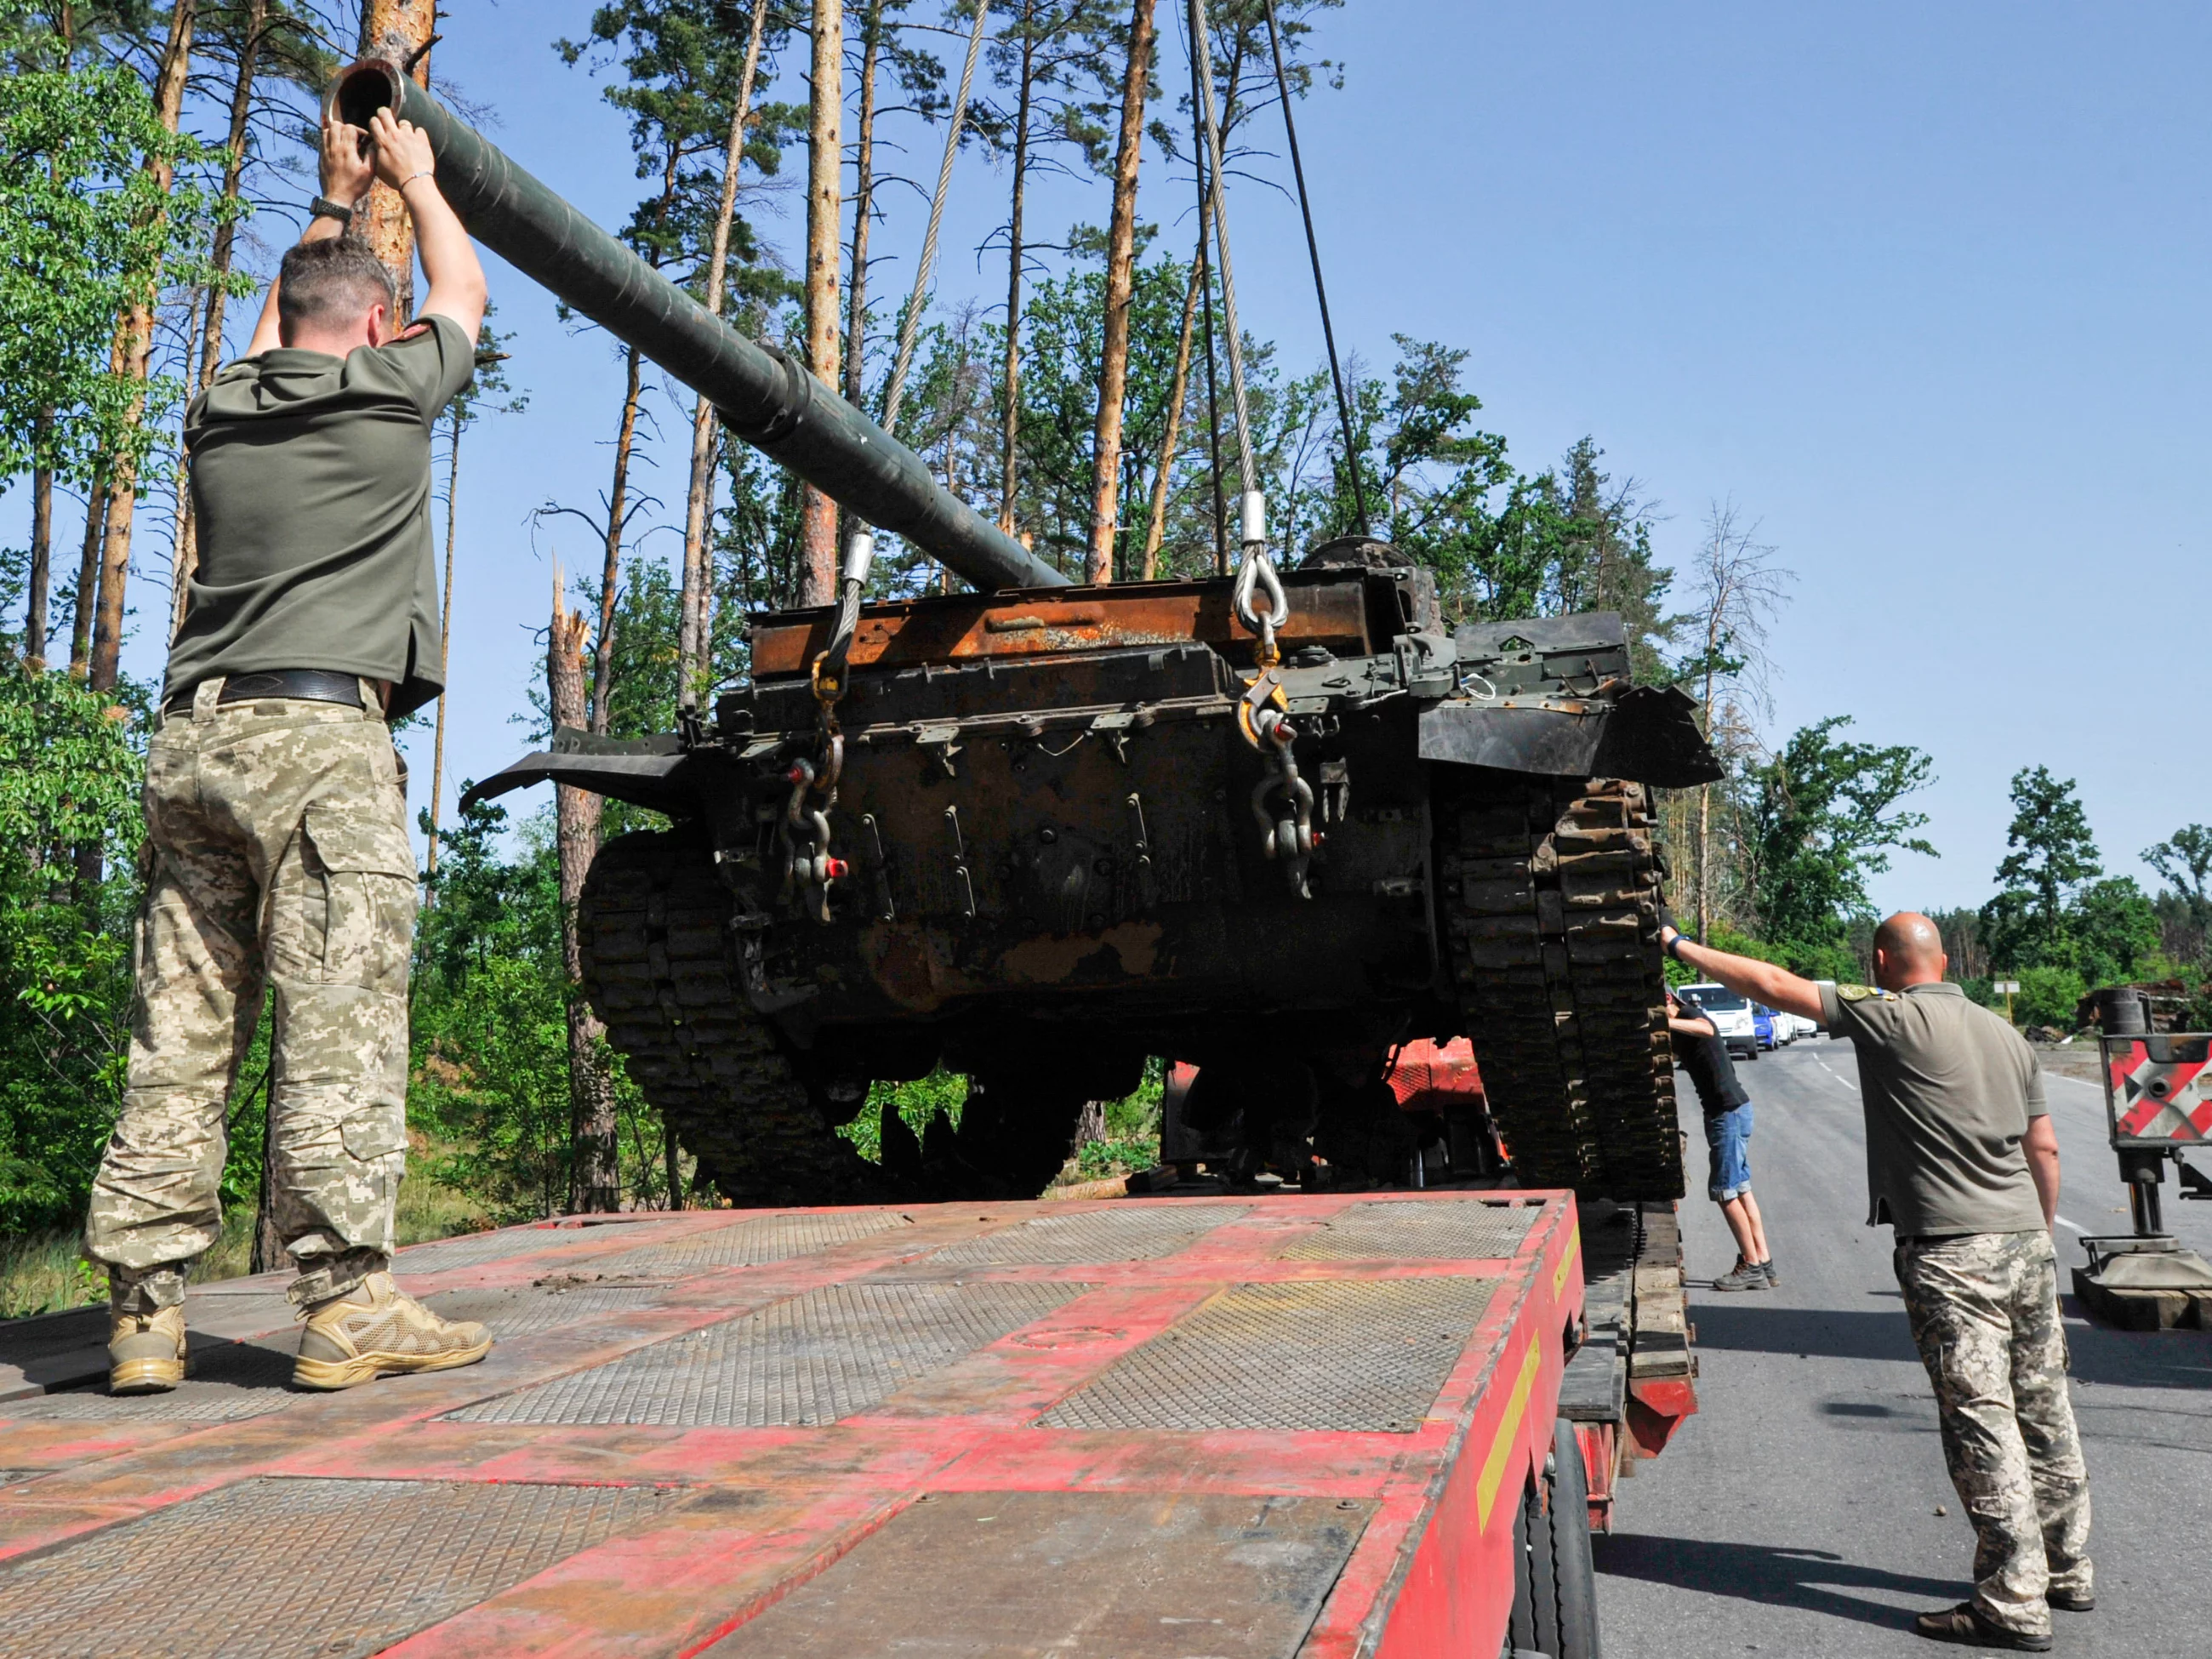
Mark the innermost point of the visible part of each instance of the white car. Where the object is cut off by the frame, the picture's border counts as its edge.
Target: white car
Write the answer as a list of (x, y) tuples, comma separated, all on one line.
[(1802, 1026), (1730, 1014)]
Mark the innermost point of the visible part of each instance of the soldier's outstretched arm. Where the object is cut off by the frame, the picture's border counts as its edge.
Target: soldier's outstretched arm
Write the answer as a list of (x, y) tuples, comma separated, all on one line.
[(1762, 982), (404, 161), (346, 172)]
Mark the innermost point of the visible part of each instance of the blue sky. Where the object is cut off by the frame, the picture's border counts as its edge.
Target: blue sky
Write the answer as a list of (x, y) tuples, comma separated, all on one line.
[(1919, 288)]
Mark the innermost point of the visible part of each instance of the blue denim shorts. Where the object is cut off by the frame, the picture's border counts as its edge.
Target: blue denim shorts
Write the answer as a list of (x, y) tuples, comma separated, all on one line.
[(1728, 1136)]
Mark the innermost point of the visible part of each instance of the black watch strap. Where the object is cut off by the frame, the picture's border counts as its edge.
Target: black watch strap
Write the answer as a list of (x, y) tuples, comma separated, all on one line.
[(323, 208)]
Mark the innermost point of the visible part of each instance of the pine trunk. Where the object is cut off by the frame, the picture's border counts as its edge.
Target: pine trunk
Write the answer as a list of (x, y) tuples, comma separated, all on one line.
[(187, 561), (1120, 266), (694, 646), (1010, 438), (398, 30), (1156, 523), (603, 665), (864, 192), (88, 576), (824, 246), (594, 1170), (444, 642), (134, 355), (39, 598)]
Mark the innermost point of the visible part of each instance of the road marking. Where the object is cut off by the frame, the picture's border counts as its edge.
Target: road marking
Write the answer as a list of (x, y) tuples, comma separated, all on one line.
[(2075, 1225)]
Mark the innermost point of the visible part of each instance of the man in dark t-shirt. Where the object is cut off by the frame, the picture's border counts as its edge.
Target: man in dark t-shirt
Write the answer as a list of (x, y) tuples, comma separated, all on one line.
[(1699, 1051), (275, 812)]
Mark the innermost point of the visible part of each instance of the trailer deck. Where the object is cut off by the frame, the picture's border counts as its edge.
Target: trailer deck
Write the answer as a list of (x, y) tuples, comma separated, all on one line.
[(1139, 1427)]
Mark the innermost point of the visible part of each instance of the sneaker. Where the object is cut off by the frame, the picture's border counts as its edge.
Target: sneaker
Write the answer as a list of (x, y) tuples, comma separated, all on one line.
[(377, 1330), (2072, 1601), (1964, 1624), (1742, 1277), (1773, 1278), (145, 1354)]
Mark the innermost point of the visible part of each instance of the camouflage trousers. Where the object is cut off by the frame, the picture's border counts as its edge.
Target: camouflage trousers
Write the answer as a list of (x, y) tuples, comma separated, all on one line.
[(279, 860), (1985, 1313)]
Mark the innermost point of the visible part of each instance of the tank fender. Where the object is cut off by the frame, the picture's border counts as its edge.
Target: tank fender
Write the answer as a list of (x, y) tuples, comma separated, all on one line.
[(652, 772), (1648, 735)]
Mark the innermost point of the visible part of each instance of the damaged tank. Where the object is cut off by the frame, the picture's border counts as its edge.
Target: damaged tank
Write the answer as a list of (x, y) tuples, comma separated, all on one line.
[(1040, 834)]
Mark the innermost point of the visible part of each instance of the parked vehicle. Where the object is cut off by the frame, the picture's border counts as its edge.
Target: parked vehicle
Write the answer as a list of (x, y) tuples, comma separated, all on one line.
[(1763, 1027), (1731, 1016)]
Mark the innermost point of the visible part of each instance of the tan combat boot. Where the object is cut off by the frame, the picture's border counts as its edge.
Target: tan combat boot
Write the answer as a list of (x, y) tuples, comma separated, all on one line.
[(377, 1330), (145, 1352)]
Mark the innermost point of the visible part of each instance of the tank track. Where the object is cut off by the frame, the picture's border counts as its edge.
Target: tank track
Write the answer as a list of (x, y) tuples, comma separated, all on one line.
[(1550, 894), (660, 969)]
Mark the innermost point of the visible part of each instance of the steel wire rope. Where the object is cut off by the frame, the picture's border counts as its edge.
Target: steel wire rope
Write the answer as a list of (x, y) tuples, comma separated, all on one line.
[(1256, 571), (1205, 294), (1321, 289), (910, 325)]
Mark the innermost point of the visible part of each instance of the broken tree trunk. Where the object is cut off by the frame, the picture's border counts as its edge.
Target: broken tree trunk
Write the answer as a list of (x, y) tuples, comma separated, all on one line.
[(594, 1170)]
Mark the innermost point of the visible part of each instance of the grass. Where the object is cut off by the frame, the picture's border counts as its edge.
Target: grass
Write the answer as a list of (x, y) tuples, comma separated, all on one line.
[(43, 1272)]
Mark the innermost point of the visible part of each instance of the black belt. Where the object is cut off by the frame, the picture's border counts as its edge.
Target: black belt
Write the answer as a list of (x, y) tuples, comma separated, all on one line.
[(302, 684)]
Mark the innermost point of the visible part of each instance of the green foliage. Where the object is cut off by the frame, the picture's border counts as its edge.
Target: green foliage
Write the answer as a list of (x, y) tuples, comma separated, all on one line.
[(2047, 996), (2053, 910), (941, 1093), (70, 761), (2185, 861), (90, 231), (1824, 819), (489, 1010)]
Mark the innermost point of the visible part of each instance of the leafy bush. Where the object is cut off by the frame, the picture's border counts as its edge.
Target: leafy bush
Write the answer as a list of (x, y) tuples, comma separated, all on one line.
[(2047, 996)]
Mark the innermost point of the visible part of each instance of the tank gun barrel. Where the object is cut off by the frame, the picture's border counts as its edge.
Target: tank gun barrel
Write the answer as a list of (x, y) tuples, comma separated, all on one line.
[(762, 394)]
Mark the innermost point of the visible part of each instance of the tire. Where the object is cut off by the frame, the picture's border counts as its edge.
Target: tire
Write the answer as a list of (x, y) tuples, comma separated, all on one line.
[(1555, 1583), (1574, 1577)]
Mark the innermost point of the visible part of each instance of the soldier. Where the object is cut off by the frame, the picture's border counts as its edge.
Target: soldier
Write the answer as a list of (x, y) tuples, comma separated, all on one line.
[(276, 807), (1962, 1161)]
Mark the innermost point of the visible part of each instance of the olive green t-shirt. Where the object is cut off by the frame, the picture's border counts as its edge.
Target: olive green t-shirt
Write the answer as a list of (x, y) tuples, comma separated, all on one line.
[(1949, 1089), (310, 488)]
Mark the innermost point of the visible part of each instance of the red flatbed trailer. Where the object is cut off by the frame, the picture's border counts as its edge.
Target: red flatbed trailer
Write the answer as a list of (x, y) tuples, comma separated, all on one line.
[(1314, 1425)]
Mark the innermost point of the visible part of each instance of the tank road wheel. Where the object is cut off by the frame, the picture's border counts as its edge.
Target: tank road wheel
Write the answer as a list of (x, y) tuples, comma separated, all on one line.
[(1015, 1134), (660, 970), (1550, 892)]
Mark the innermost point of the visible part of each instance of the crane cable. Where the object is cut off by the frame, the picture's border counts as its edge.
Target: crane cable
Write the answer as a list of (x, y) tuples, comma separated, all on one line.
[(1321, 289), (910, 325), (1256, 571)]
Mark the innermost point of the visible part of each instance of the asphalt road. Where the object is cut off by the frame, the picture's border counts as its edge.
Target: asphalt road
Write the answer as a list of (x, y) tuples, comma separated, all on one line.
[(1804, 1510)]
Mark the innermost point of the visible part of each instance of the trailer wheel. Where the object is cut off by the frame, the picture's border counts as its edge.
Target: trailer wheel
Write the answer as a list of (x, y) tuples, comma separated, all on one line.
[(1555, 1584)]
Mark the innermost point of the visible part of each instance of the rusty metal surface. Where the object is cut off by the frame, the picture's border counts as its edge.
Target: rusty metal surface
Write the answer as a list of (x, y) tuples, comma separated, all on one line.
[(1430, 1230), (1345, 1354), (1328, 611), (1083, 1574), (751, 1243), (274, 1569), (1131, 1235), (813, 1358)]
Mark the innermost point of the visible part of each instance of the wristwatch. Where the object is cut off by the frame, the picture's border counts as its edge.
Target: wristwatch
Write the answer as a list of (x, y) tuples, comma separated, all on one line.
[(323, 208)]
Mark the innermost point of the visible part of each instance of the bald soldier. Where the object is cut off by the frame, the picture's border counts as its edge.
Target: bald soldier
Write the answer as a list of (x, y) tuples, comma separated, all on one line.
[(1962, 1161)]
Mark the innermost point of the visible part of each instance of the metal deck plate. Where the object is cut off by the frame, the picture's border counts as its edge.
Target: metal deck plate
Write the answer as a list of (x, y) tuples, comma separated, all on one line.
[(273, 1568), (1074, 1575), (524, 1313), (751, 1243), (1132, 1235), (1431, 1230), (229, 1382), (1346, 1354), (474, 1249), (814, 1359)]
